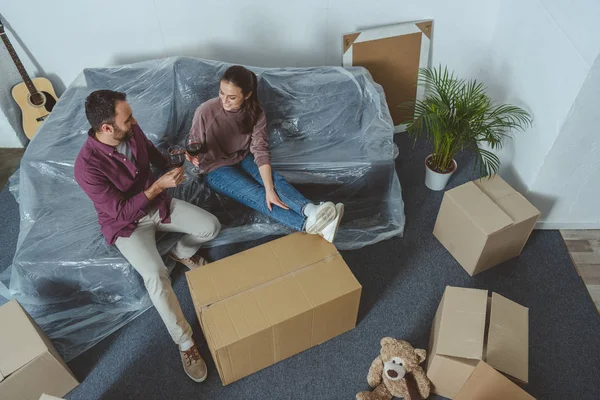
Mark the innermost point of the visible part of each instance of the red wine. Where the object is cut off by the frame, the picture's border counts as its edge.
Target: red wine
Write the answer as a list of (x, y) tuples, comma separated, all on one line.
[(194, 149), (177, 157)]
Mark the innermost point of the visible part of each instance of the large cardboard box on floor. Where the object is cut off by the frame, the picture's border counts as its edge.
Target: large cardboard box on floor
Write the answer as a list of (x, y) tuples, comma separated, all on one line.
[(485, 383), (468, 327), (484, 222), (268, 303), (29, 363)]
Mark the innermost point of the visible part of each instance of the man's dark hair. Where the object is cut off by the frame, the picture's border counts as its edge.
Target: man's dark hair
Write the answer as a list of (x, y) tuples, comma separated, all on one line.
[(100, 107)]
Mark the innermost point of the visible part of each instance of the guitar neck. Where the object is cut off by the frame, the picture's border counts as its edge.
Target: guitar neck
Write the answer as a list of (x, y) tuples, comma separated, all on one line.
[(18, 64)]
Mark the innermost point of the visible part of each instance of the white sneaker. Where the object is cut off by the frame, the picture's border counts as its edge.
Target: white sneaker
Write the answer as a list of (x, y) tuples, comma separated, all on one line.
[(324, 214), (330, 231)]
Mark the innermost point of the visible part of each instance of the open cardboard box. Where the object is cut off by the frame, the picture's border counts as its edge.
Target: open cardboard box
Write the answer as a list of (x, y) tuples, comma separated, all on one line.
[(469, 327), (485, 383), (484, 222), (268, 303), (29, 363)]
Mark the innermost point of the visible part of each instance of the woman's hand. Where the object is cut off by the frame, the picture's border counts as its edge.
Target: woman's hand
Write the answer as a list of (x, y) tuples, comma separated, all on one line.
[(193, 160), (273, 198)]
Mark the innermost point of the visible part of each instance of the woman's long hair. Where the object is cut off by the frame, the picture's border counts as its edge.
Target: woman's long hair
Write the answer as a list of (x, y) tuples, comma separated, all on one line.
[(246, 80)]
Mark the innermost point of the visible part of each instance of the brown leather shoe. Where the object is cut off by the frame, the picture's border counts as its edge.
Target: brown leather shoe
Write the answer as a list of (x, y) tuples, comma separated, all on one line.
[(194, 261), (193, 364)]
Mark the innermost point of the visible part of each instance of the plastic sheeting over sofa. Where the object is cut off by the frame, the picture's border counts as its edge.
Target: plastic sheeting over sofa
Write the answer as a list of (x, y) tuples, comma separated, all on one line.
[(331, 136)]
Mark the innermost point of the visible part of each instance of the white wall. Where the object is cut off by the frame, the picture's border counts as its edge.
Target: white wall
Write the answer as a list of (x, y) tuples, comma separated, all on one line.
[(568, 187), (540, 55), (269, 33)]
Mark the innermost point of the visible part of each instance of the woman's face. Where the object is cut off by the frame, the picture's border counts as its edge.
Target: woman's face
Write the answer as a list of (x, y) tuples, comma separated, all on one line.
[(231, 96)]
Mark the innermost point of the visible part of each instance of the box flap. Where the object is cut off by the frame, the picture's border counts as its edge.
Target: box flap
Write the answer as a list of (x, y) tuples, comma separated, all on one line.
[(485, 383), (494, 187), (326, 280), (508, 338), (517, 207), (480, 208), (461, 328), (508, 199), (299, 250), (19, 340), (240, 272)]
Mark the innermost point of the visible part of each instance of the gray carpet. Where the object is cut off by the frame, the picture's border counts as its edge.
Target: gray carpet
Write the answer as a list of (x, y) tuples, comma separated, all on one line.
[(403, 280)]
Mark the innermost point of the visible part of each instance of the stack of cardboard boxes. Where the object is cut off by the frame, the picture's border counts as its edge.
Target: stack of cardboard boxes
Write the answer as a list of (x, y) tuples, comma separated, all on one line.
[(482, 224), (273, 301)]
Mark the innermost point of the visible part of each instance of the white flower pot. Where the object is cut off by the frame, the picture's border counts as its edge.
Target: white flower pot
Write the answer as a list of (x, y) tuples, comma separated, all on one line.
[(435, 180)]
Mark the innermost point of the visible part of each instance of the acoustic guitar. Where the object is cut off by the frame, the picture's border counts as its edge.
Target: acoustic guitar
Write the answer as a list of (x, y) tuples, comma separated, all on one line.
[(35, 97)]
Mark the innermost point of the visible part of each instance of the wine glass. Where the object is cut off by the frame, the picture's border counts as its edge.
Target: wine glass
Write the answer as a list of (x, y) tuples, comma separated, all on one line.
[(194, 147), (176, 156)]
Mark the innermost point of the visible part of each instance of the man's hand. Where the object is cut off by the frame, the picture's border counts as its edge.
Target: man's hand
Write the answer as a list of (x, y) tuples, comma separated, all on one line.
[(171, 179), (273, 198), (168, 180)]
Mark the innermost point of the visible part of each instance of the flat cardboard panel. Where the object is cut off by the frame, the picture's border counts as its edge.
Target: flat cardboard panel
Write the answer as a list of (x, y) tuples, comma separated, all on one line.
[(448, 374), (394, 64), (462, 327), (485, 383), (293, 336), (504, 245), (224, 365), (300, 250), (434, 334), (508, 338), (458, 234), (480, 208), (326, 280), (44, 374), (335, 317), (19, 341), (281, 300)]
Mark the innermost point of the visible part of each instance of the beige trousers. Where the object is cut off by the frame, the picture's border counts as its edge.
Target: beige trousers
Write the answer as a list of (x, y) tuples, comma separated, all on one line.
[(140, 250)]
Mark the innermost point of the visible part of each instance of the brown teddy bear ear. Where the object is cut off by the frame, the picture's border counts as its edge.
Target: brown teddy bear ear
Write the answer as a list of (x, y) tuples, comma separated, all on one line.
[(387, 340), (421, 354)]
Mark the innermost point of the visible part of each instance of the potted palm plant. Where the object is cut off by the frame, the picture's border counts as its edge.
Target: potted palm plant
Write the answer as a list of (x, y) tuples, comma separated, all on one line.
[(457, 115)]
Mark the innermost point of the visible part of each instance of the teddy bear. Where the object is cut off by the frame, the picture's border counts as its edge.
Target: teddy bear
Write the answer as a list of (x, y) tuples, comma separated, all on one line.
[(387, 373)]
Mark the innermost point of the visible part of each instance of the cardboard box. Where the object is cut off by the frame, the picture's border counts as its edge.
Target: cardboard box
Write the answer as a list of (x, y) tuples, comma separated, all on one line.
[(268, 303), (484, 222), (485, 383), (469, 327), (29, 363)]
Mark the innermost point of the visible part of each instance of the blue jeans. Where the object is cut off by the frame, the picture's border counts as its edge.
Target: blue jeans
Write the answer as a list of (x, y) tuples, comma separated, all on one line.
[(242, 182)]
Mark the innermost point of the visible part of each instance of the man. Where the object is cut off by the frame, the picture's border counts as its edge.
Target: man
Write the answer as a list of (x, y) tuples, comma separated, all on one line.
[(113, 169)]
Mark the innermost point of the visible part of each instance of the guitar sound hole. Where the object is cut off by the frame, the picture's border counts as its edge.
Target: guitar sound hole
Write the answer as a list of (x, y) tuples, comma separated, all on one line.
[(37, 99)]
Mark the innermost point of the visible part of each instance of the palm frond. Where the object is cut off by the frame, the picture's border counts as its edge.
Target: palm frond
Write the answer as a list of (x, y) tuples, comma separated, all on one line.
[(456, 114)]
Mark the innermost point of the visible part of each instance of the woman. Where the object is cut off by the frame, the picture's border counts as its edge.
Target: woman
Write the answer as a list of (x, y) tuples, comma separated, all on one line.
[(237, 162)]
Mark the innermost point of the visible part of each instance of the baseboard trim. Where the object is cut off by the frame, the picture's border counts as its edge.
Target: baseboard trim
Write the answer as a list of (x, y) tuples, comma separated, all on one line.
[(566, 225)]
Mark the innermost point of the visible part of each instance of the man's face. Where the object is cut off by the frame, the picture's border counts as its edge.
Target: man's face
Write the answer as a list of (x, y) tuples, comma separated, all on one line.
[(124, 121)]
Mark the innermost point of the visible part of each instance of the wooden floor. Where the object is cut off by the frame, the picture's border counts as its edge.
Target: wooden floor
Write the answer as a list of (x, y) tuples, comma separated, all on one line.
[(9, 161), (584, 248)]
